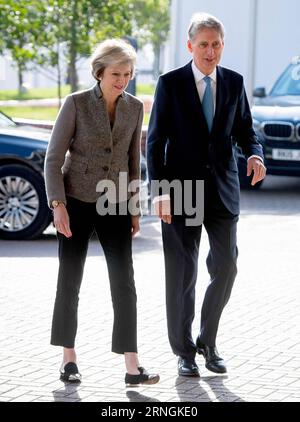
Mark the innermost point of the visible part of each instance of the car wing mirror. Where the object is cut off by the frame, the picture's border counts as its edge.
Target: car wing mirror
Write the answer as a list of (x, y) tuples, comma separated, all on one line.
[(259, 92)]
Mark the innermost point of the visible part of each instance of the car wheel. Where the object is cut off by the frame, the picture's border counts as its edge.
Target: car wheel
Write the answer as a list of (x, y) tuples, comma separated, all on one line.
[(24, 213)]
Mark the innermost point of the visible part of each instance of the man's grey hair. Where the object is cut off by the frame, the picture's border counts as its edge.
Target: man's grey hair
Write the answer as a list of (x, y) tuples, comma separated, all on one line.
[(203, 20)]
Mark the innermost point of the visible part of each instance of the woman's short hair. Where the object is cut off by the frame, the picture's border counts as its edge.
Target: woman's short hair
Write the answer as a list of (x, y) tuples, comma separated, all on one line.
[(203, 20), (112, 52)]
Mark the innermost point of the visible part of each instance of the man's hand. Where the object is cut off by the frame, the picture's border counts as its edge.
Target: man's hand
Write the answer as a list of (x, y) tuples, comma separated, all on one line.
[(163, 210), (258, 168), (135, 224), (61, 220)]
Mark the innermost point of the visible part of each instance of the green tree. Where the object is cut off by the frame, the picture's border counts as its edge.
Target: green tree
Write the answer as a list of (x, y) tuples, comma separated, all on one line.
[(34, 31), (19, 28), (151, 24), (79, 24)]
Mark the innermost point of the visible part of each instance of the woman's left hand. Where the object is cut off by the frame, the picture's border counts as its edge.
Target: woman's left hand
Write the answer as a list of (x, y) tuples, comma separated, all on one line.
[(135, 224)]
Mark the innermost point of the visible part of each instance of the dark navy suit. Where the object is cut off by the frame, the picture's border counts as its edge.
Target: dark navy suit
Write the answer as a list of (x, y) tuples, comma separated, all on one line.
[(179, 146)]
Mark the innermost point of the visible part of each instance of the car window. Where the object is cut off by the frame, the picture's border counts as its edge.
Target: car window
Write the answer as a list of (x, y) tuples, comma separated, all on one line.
[(5, 121), (289, 81)]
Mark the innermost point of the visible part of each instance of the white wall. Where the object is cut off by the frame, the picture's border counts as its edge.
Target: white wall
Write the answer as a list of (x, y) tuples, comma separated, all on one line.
[(274, 29), (278, 38), (9, 78)]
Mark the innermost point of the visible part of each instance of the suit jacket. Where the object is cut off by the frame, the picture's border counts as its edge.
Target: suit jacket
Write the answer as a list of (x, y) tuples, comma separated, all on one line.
[(83, 149), (179, 145)]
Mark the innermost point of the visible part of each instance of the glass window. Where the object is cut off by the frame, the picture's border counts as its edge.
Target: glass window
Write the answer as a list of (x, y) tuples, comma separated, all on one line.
[(5, 121), (289, 81)]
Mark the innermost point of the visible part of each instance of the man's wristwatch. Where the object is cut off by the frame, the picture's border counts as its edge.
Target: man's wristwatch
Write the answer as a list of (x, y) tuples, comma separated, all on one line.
[(56, 203)]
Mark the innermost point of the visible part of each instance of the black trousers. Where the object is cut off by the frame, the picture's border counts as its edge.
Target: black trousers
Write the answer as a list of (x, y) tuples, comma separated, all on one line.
[(181, 251), (114, 234)]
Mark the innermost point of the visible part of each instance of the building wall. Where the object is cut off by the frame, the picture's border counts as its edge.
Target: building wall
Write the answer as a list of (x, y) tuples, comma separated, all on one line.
[(278, 38), (261, 35)]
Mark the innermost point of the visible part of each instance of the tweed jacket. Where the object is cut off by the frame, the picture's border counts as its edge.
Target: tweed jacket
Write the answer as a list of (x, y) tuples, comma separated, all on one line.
[(84, 150)]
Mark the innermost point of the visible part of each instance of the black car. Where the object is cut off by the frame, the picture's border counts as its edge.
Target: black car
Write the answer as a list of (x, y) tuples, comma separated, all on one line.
[(24, 213), (276, 119)]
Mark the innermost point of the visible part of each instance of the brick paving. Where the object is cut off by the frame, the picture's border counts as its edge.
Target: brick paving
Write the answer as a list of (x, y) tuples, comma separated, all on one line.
[(259, 334)]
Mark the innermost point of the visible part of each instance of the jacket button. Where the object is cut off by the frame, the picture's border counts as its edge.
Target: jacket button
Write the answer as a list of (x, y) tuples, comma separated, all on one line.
[(105, 168), (108, 150)]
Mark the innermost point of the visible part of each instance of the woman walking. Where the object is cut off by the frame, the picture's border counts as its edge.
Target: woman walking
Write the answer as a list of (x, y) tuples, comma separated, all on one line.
[(96, 136)]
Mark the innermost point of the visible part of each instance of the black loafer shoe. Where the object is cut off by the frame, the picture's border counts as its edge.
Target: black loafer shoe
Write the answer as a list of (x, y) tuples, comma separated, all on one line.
[(213, 361), (142, 378), (70, 373), (187, 367)]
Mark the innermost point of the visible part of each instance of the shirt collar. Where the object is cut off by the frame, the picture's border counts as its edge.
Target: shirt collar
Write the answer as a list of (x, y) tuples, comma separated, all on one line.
[(199, 75)]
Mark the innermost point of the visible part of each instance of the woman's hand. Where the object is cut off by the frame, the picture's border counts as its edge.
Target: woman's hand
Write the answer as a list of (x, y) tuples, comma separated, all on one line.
[(61, 220), (135, 224)]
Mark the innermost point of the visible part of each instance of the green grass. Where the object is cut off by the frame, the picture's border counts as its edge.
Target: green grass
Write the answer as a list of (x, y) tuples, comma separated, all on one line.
[(49, 113), (143, 89), (38, 113), (34, 93), (39, 93), (41, 113), (146, 119)]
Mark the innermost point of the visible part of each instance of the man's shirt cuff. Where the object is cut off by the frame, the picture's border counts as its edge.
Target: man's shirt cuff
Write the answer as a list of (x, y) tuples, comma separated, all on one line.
[(161, 198), (256, 156)]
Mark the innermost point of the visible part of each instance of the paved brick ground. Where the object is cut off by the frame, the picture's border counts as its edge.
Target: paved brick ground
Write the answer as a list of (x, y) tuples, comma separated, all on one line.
[(259, 335)]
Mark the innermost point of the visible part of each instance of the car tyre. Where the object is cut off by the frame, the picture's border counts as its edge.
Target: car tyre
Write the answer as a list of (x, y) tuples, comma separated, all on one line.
[(24, 213)]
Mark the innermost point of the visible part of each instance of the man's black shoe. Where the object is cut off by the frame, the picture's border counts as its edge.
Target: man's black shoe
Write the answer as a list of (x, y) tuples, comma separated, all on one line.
[(213, 361), (187, 367)]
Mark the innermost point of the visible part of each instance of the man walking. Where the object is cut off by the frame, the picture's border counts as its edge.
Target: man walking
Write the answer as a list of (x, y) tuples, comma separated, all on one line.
[(200, 112)]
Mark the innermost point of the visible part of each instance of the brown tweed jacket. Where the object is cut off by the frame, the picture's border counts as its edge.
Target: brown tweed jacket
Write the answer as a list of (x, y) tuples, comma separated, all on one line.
[(83, 149)]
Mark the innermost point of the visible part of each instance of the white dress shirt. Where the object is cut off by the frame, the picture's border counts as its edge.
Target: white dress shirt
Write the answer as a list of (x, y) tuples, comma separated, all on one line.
[(201, 84)]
